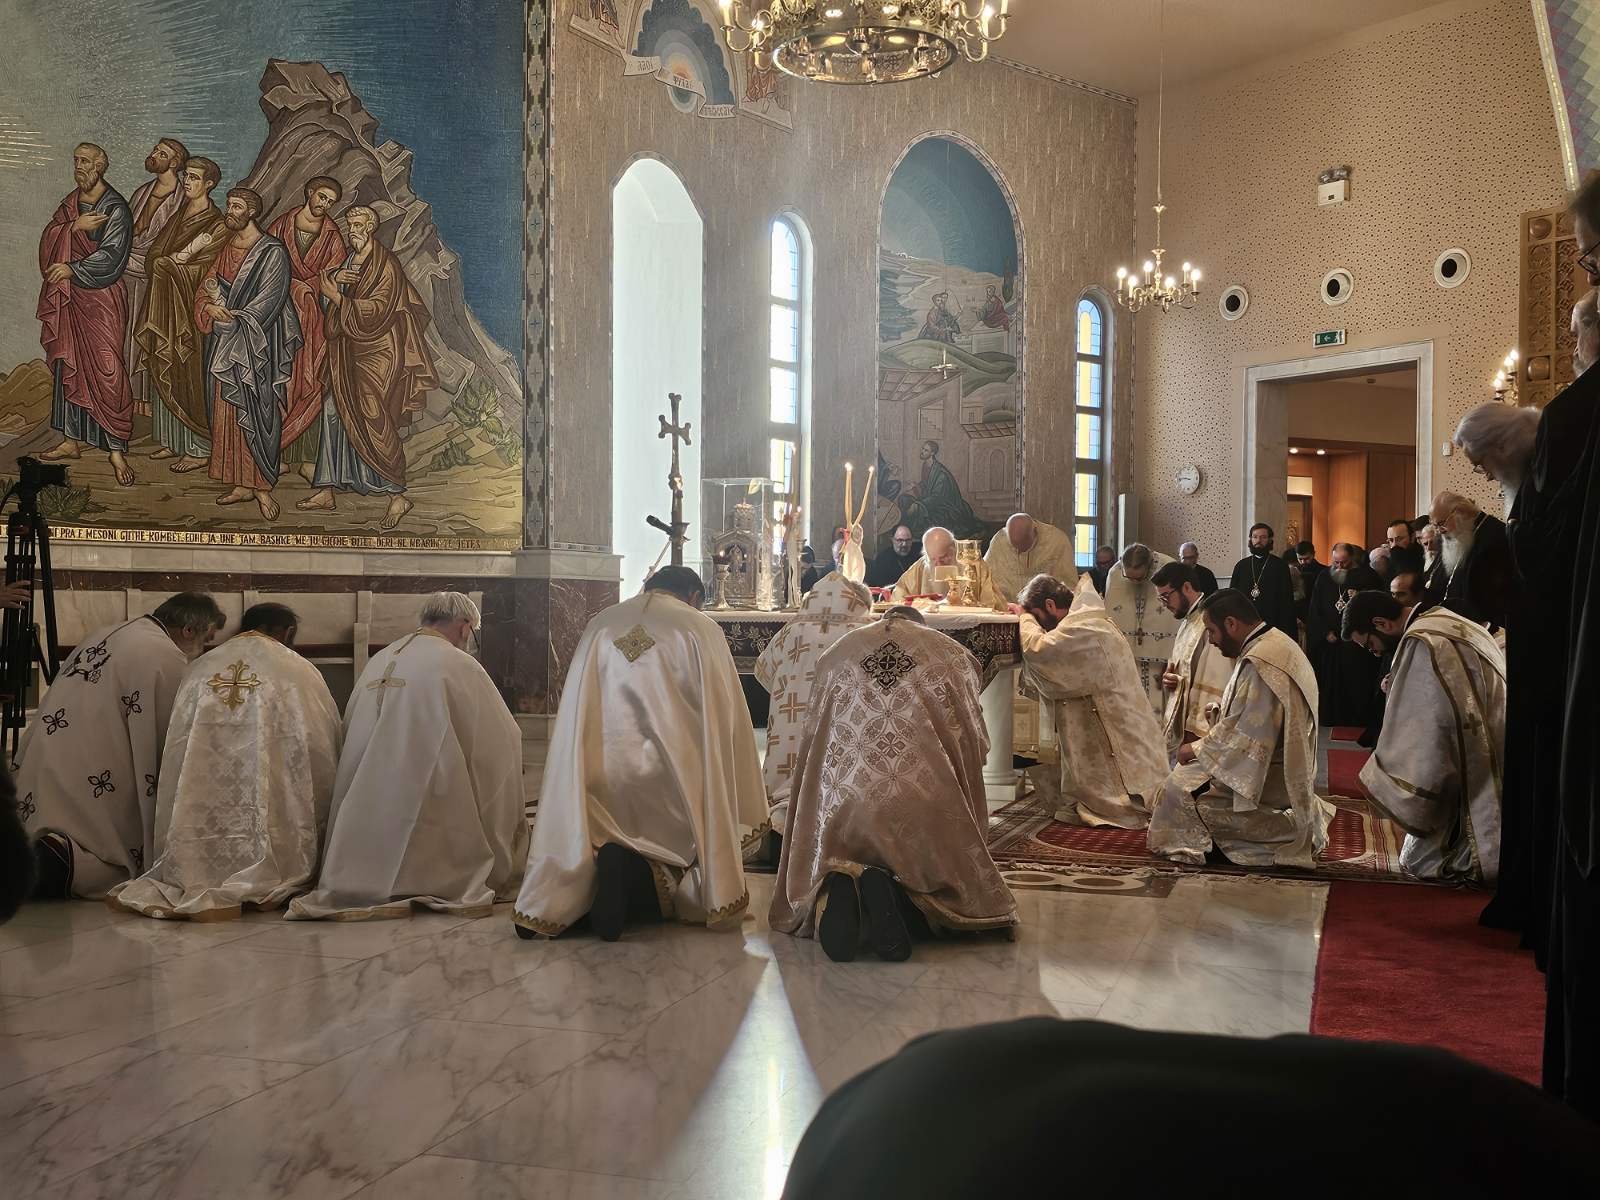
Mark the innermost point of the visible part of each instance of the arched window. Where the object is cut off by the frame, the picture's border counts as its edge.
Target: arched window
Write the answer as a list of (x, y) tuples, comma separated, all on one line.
[(789, 369), (1088, 509)]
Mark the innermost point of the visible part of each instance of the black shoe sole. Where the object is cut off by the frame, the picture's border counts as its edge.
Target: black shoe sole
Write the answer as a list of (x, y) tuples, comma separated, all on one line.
[(839, 930), (609, 913), (526, 935), (886, 928)]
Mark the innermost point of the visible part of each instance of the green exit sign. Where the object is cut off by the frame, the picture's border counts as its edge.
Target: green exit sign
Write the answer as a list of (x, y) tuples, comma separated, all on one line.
[(1328, 337)]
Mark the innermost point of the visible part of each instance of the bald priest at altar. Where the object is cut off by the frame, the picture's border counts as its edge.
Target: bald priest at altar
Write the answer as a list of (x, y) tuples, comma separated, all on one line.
[(246, 779), (652, 788), (428, 806), (939, 550)]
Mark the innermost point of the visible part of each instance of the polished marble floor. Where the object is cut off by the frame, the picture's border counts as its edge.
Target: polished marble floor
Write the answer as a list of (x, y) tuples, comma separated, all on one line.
[(434, 1058)]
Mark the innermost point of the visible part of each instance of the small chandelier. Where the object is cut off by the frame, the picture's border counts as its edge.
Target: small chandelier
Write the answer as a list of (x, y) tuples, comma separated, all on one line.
[(1133, 293), (1506, 379), (862, 41)]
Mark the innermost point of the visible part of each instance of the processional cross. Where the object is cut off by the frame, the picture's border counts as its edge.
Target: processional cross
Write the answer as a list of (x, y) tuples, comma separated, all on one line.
[(678, 530)]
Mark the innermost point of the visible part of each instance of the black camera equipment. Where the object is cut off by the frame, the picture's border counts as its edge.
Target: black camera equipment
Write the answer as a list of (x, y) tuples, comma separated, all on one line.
[(27, 561)]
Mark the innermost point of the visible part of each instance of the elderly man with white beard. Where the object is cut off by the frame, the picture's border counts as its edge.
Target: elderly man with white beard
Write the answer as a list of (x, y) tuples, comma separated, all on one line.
[(1436, 767), (1477, 558), (939, 550)]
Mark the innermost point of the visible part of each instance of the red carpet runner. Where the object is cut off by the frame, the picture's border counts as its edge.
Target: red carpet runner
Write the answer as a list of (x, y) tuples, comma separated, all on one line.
[(1412, 964)]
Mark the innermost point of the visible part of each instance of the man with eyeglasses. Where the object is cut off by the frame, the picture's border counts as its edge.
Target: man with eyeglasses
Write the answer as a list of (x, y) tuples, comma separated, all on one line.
[(1197, 673), (427, 807)]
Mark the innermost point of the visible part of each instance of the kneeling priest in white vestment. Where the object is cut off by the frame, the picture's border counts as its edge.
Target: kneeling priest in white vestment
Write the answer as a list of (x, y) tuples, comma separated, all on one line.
[(1197, 672), (652, 786), (939, 550), (1247, 787), (88, 764), (787, 668), (1112, 760), (1436, 768), (428, 805), (1135, 607), (246, 779), (888, 815), (1025, 548)]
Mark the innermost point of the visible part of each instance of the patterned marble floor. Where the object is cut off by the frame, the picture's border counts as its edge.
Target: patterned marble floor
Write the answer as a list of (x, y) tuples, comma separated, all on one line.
[(436, 1058)]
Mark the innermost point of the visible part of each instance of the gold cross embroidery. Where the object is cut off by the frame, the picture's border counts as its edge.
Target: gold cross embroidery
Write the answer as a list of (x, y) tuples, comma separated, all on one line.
[(786, 768), (791, 706), (235, 688), (381, 686), (634, 643)]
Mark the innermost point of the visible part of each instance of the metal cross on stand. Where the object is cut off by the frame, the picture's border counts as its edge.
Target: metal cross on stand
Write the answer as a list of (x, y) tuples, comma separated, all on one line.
[(678, 530)]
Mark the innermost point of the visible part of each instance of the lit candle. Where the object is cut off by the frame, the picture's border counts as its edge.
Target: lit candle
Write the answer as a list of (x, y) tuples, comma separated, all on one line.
[(866, 495), (1194, 278), (849, 469)]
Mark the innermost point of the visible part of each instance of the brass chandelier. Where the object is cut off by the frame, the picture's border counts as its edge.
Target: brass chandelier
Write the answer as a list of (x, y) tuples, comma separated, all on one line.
[(862, 41), (1164, 291)]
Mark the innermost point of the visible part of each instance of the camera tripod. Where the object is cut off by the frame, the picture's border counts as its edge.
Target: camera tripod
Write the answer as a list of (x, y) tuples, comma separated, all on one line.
[(27, 561)]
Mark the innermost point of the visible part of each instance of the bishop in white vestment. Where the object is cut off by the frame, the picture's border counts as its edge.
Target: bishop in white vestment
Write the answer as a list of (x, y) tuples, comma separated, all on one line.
[(1025, 548), (1112, 762), (428, 805), (889, 796), (246, 779), (787, 668), (1136, 608), (1197, 673), (939, 550), (1437, 766), (88, 765), (1247, 787), (652, 786)]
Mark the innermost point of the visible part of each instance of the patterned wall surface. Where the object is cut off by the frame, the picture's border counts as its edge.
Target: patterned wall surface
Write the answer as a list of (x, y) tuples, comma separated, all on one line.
[(1549, 290), (1446, 123), (1066, 155), (1572, 58)]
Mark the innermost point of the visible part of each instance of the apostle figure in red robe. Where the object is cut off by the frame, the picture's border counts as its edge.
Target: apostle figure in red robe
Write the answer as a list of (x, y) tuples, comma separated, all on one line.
[(252, 333), (83, 308), (315, 245)]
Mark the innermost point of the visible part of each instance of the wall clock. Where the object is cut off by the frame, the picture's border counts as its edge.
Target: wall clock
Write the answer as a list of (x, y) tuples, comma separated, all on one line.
[(1190, 478)]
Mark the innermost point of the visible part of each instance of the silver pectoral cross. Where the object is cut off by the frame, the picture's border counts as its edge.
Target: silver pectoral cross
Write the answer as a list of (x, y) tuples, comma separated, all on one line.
[(381, 686)]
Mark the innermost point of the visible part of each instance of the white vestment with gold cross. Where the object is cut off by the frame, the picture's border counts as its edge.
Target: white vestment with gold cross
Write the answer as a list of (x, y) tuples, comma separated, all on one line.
[(246, 780), (1136, 609), (428, 806), (652, 749), (787, 669)]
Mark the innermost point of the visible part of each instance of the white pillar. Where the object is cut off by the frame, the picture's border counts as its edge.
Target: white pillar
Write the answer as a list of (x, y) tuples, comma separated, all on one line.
[(999, 778)]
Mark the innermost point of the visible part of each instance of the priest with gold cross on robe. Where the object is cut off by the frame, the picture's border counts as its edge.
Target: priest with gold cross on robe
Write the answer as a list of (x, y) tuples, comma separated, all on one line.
[(1437, 766), (428, 807), (652, 789), (787, 669), (1135, 607), (1246, 789), (246, 779)]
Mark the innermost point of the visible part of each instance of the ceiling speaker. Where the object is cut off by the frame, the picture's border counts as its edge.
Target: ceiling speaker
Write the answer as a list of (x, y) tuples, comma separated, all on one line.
[(1450, 269), (1233, 302), (1337, 285)]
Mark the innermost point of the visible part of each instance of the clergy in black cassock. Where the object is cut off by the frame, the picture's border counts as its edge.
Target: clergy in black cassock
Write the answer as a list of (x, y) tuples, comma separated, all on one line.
[(1264, 577), (1483, 580), (1347, 675), (1556, 541)]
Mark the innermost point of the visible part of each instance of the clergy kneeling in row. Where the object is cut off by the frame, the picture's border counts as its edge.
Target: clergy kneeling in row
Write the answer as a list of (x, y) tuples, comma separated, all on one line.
[(887, 816), (1436, 768), (1112, 760), (922, 577), (787, 669), (1197, 672), (428, 806), (1247, 787), (652, 789), (88, 764), (246, 779)]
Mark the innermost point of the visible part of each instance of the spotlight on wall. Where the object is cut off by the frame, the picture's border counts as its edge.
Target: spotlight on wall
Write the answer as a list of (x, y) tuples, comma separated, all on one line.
[(1321, 451), (1294, 449), (1233, 302), (1450, 269), (1337, 285)]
